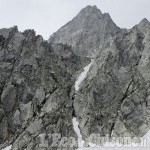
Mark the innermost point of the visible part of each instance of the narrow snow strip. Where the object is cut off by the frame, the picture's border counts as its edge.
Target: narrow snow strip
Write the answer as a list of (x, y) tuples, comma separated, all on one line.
[(106, 146), (8, 148), (81, 142), (77, 130), (82, 76)]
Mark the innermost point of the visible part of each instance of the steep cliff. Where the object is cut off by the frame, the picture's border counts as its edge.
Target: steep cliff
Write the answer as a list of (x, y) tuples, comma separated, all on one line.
[(114, 99), (86, 32), (38, 99), (36, 86)]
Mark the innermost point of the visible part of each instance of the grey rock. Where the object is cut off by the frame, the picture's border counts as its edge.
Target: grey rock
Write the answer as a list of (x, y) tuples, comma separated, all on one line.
[(5, 31), (37, 78), (3, 130), (26, 113), (2, 114), (113, 99), (8, 98), (16, 118), (36, 86), (86, 32)]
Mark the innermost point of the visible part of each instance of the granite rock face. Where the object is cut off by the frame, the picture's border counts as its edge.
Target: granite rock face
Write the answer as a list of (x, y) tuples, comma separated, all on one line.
[(114, 99), (36, 86), (87, 32), (37, 96)]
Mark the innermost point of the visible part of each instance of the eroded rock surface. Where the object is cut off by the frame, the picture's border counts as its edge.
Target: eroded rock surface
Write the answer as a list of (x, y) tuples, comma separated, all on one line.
[(114, 98), (87, 32), (36, 85), (37, 95)]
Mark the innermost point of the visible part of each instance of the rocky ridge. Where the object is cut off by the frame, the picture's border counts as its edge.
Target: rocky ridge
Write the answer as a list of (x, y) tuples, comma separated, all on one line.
[(36, 86), (37, 95), (86, 32), (114, 99)]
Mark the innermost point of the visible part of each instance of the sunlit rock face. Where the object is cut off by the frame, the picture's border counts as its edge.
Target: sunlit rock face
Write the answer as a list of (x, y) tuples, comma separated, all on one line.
[(87, 32)]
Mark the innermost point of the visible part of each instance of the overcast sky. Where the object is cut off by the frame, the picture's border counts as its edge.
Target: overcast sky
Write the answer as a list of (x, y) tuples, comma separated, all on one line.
[(47, 16)]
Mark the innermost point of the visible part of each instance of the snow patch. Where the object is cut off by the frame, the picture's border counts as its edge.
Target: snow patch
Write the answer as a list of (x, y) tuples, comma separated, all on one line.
[(77, 130), (106, 146), (8, 148), (82, 76)]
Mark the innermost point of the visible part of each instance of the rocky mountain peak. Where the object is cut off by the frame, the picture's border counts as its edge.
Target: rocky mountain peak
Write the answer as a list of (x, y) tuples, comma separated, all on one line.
[(144, 21), (144, 25), (6, 31), (90, 10), (29, 31), (86, 32)]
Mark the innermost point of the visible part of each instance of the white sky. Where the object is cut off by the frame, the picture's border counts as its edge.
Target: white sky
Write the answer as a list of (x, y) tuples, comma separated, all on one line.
[(47, 16)]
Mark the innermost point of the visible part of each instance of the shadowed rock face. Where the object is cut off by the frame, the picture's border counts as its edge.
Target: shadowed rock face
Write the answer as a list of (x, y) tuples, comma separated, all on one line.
[(114, 98), (87, 32), (36, 86)]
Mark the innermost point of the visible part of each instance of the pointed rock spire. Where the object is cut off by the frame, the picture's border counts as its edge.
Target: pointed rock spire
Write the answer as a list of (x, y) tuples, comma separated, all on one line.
[(91, 10), (144, 25), (86, 32), (144, 21)]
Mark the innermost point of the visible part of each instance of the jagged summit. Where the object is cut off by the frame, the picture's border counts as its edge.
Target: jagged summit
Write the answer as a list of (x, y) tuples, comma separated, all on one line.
[(31, 75), (90, 10), (144, 21), (86, 32), (37, 82), (90, 7), (144, 25), (5, 31)]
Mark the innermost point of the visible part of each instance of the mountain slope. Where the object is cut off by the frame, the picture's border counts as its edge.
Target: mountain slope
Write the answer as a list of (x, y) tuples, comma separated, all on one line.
[(114, 98), (36, 86), (37, 83), (87, 32)]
